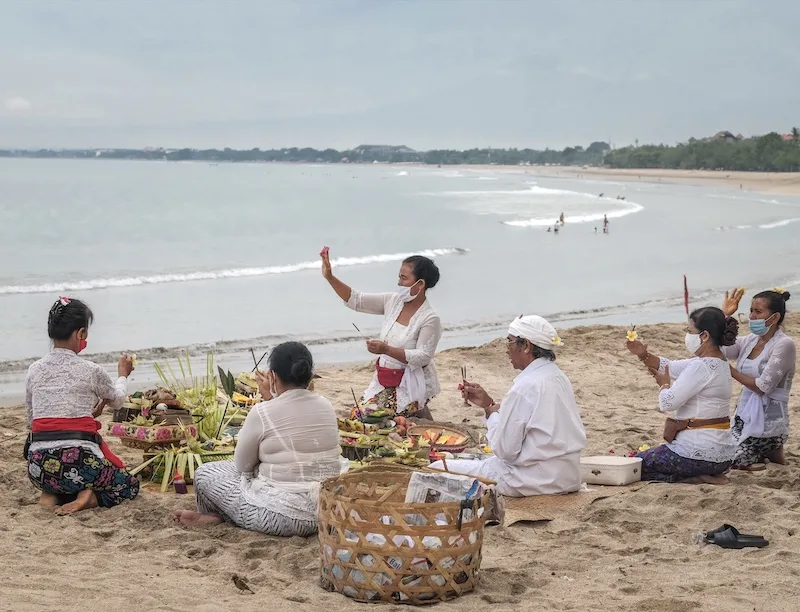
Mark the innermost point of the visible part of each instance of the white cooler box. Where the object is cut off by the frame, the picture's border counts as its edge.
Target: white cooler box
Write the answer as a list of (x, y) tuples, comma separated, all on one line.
[(616, 471)]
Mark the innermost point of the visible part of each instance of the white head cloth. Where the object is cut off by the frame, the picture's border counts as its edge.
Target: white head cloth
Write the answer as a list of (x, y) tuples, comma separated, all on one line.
[(536, 330)]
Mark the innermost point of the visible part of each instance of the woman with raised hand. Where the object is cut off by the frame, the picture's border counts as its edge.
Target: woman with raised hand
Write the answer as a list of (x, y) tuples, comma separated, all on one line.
[(765, 363), (64, 393), (699, 446), (405, 378)]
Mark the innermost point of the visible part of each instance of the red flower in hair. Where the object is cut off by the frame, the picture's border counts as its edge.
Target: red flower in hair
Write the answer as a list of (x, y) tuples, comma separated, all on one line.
[(64, 300)]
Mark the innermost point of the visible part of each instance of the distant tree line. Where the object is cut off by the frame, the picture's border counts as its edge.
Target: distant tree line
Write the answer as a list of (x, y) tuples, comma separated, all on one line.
[(592, 155), (769, 153)]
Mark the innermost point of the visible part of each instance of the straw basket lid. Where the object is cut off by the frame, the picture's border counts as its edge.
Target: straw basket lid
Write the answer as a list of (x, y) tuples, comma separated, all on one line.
[(375, 547)]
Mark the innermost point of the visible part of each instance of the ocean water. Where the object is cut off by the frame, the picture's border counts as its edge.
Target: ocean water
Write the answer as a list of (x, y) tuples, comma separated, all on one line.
[(196, 255)]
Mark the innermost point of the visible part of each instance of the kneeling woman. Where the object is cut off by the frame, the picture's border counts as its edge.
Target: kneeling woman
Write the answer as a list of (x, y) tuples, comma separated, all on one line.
[(67, 460), (699, 445), (287, 446)]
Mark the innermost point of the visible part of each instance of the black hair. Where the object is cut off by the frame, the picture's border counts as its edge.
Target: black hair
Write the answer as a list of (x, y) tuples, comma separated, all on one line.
[(537, 351), (292, 363), (776, 302), (721, 330), (423, 269), (66, 317)]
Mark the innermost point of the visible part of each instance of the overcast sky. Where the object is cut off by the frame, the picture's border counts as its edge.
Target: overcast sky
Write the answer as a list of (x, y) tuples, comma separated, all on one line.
[(425, 73)]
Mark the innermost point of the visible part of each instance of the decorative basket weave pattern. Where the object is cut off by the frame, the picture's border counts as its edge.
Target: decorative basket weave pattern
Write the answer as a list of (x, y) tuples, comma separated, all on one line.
[(377, 548)]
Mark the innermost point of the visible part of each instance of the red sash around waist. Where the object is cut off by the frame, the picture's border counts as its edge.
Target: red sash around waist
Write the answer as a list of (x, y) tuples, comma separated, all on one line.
[(87, 424)]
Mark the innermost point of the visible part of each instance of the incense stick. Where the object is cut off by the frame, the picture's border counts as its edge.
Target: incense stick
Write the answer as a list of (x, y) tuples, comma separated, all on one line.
[(360, 333), (258, 363)]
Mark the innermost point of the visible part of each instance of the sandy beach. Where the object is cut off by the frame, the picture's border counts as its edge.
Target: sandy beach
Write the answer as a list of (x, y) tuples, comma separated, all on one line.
[(630, 552), (787, 183)]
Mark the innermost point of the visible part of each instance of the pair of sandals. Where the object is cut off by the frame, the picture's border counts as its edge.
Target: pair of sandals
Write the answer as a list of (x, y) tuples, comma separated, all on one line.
[(728, 536)]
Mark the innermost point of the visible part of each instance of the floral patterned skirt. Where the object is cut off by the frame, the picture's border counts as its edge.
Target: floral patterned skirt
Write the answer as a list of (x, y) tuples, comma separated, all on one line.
[(662, 464), (65, 472)]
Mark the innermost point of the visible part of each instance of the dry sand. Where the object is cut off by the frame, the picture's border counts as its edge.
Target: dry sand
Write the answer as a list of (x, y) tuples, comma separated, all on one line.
[(787, 183), (631, 552)]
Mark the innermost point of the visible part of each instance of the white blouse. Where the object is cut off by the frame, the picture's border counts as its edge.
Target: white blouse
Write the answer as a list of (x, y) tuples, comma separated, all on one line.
[(774, 371), (701, 389), (65, 385), (419, 339), (285, 448)]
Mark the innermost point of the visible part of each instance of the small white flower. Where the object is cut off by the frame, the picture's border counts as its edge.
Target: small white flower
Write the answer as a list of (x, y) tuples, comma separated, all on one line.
[(34, 470)]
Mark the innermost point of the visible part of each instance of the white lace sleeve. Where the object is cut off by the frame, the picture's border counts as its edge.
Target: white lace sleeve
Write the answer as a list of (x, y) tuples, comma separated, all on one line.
[(692, 379), (732, 352), (103, 387), (429, 335), (248, 442), (781, 360), (676, 367), (29, 400), (368, 303)]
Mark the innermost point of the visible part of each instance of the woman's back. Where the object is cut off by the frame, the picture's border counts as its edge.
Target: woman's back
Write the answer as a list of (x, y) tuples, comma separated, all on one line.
[(63, 385), (297, 437)]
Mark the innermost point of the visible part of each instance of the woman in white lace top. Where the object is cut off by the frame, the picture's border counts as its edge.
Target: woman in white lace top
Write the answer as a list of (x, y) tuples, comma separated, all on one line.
[(64, 393), (405, 377), (764, 365), (287, 446), (696, 393)]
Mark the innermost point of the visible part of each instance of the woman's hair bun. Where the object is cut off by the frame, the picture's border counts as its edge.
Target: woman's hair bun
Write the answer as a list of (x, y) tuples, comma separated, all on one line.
[(731, 332), (786, 295), (301, 370)]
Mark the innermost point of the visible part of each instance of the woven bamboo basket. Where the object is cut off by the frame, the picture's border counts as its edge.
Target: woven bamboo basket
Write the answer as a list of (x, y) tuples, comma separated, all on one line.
[(377, 548)]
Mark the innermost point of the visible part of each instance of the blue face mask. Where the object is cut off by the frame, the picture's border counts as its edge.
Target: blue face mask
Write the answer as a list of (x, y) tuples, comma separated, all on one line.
[(759, 327)]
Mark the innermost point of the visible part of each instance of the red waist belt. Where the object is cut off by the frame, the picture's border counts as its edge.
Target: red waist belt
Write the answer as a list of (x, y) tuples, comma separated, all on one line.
[(83, 424)]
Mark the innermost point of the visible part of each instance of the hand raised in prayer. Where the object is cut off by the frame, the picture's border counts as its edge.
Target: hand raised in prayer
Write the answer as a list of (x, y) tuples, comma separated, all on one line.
[(731, 302), (125, 366), (327, 270), (474, 393), (265, 385), (376, 347), (637, 347), (662, 378)]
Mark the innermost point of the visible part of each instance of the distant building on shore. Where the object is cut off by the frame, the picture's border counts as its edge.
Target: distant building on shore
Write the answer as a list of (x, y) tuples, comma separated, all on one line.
[(723, 136), (368, 149)]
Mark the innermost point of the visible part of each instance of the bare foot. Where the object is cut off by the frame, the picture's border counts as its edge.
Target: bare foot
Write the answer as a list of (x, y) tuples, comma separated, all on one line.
[(190, 517), (777, 456), (86, 499), (48, 500), (719, 479)]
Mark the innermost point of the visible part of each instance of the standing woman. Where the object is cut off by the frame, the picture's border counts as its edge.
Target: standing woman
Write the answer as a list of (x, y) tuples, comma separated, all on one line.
[(405, 377), (765, 366), (699, 445), (64, 393)]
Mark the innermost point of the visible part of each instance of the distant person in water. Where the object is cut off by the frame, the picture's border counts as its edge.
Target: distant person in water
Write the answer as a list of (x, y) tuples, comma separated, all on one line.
[(561, 218), (555, 229), (549, 229), (605, 224)]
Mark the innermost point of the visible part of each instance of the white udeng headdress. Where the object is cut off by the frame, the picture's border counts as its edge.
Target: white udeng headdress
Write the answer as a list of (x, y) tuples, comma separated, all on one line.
[(536, 330)]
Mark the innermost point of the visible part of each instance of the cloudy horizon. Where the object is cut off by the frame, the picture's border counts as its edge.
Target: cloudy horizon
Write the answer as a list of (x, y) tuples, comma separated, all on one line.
[(449, 74)]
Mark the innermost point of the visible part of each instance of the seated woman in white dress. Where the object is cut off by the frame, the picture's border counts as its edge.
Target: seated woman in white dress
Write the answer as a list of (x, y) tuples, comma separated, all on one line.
[(405, 378), (286, 447), (765, 363), (699, 446), (535, 432)]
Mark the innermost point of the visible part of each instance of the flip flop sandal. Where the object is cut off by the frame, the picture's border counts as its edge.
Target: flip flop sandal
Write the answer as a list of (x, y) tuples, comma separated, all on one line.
[(728, 536), (755, 467)]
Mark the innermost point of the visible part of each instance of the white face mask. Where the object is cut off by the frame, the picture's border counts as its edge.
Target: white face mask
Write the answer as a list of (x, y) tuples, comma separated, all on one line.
[(693, 343), (404, 293)]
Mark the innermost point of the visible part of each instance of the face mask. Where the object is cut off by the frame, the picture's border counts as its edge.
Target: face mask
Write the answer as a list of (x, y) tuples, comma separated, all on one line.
[(693, 343), (404, 293), (759, 327)]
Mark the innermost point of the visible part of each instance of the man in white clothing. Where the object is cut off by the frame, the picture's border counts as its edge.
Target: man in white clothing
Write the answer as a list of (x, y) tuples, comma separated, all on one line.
[(535, 433)]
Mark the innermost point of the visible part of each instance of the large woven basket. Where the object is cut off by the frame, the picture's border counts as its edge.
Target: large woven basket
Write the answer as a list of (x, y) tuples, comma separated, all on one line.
[(377, 548)]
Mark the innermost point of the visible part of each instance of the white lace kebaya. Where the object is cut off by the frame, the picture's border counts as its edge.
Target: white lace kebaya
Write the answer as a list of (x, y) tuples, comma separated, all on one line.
[(701, 389), (419, 339)]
